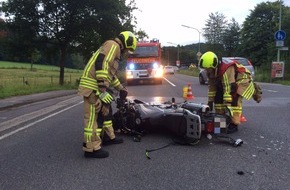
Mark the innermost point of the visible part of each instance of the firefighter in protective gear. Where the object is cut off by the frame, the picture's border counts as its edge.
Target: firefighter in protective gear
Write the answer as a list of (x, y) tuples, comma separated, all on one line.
[(228, 83), (100, 74)]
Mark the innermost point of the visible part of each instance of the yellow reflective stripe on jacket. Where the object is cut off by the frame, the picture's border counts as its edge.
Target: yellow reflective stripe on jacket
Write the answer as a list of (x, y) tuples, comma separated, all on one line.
[(102, 74), (89, 83), (90, 64), (109, 57), (248, 93), (243, 78), (116, 82), (240, 66), (227, 96)]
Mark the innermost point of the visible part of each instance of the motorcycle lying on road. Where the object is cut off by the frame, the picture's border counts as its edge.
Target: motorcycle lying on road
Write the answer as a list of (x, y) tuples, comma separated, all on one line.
[(187, 122)]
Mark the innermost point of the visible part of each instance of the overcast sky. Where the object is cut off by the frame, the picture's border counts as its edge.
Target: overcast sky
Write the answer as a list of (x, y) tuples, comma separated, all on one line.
[(162, 19)]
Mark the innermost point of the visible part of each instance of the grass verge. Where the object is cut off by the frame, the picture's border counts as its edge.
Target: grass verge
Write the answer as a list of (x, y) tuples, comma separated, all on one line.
[(20, 79)]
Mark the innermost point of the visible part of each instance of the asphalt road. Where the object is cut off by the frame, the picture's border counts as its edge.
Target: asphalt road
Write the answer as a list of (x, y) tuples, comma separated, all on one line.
[(41, 142)]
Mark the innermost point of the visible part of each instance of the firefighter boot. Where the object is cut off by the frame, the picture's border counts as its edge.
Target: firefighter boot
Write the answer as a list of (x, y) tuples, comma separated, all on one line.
[(116, 140), (97, 154), (232, 128), (108, 141)]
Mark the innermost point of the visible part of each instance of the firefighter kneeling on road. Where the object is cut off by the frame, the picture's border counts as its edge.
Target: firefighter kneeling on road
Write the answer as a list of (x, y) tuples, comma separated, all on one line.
[(99, 74), (228, 83)]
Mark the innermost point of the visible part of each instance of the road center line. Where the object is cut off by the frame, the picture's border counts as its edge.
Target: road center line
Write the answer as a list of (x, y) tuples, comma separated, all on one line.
[(35, 122)]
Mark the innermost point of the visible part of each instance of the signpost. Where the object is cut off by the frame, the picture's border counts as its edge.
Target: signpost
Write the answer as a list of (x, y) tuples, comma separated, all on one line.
[(283, 48), (278, 67), (280, 35), (279, 43), (199, 54)]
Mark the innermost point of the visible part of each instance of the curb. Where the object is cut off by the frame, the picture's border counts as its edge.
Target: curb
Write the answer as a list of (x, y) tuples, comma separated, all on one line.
[(28, 99)]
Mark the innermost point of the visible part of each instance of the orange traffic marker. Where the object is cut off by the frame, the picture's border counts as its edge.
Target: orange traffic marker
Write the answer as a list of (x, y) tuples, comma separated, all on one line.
[(243, 118), (189, 92)]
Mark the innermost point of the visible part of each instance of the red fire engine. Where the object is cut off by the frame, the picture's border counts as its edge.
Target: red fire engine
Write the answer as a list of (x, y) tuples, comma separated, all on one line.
[(145, 63)]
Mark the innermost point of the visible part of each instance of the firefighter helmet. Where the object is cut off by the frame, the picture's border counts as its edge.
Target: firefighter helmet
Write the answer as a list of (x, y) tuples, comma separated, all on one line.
[(129, 40), (208, 60)]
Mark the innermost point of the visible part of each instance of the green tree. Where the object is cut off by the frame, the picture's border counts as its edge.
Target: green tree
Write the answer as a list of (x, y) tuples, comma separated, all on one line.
[(70, 25), (257, 34), (141, 35), (21, 36), (214, 30), (231, 38), (3, 37)]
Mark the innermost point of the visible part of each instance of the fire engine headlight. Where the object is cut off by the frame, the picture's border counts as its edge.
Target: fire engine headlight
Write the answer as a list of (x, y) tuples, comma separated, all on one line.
[(131, 66), (155, 65), (159, 72), (129, 74)]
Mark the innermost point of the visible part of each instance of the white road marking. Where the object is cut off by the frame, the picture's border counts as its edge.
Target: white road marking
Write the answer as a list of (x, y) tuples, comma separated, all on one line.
[(38, 121), (168, 81), (29, 116), (272, 91)]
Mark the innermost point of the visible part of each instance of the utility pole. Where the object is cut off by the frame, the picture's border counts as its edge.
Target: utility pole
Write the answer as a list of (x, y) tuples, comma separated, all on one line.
[(280, 15), (177, 61), (198, 36)]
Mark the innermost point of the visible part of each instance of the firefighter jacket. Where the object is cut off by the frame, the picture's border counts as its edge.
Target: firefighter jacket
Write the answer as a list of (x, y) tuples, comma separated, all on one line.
[(101, 69), (234, 78)]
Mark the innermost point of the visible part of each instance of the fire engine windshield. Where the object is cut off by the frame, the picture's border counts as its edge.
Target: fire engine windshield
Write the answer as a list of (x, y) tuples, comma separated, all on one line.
[(145, 51)]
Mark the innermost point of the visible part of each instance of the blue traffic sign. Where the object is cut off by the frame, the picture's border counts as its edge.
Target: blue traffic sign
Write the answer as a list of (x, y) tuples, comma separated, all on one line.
[(280, 35)]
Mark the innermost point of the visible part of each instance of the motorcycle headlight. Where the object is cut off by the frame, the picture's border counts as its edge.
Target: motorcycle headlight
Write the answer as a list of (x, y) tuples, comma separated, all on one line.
[(138, 121)]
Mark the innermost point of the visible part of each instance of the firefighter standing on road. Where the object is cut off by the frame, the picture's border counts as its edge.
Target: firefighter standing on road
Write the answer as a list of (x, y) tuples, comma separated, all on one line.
[(99, 74), (228, 84)]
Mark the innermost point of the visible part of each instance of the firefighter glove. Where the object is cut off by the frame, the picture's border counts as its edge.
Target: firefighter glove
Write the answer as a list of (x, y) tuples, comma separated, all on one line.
[(106, 97), (210, 105), (257, 96), (123, 93)]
